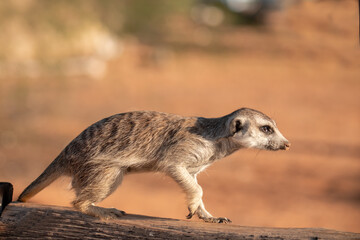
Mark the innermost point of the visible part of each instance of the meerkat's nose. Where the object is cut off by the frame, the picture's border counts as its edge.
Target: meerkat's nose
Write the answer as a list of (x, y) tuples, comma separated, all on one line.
[(287, 145)]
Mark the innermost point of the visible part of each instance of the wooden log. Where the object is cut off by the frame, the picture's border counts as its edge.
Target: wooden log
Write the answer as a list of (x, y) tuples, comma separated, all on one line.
[(32, 221)]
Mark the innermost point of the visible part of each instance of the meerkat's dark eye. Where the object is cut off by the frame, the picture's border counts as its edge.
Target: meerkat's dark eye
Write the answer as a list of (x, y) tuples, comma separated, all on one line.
[(267, 129)]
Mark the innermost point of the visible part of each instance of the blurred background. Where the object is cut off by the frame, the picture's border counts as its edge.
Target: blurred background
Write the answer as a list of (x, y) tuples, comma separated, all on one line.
[(66, 64)]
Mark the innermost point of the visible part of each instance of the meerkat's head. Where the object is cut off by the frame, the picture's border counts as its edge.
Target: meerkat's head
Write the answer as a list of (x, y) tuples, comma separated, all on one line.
[(252, 129)]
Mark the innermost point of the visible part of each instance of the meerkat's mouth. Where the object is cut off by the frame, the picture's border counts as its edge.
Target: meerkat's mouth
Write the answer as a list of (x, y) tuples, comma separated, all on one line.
[(272, 146)]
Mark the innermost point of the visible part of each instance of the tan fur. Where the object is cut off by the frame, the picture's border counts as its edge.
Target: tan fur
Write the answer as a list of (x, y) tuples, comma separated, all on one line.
[(180, 147)]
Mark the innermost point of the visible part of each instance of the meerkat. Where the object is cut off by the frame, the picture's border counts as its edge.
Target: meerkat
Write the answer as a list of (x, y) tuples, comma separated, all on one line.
[(143, 141)]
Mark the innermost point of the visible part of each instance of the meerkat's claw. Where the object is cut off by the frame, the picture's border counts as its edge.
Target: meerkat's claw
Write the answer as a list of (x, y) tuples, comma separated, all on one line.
[(223, 220), (107, 213), (189, 215), (112, 215), (217, 220), (117, 213)]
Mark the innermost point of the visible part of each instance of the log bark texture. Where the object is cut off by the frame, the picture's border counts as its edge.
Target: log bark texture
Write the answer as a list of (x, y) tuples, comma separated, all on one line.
[(32, 221)]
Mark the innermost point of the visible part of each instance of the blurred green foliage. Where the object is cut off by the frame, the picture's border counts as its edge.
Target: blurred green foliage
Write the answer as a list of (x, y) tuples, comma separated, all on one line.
[(139, 17), (45, 29), (41, 33)]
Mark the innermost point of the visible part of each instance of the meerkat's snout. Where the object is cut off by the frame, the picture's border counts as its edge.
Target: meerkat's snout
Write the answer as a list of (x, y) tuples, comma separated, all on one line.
[(278, 142), (287, 145)]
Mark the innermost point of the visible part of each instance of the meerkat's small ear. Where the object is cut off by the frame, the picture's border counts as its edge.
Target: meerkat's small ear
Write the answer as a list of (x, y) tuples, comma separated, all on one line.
[(235, 126), (238, 126)]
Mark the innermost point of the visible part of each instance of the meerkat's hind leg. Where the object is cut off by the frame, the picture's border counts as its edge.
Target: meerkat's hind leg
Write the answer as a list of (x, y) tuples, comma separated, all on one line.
[(99, 212), (94, 190)]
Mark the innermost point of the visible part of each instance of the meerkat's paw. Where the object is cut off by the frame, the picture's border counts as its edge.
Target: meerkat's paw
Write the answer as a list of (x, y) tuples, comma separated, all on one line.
[(104, 213), (206, 216), (217, 220), (110, 213)]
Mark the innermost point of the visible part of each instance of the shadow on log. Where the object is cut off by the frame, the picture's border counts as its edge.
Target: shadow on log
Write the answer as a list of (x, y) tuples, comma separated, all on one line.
[(31, 221)]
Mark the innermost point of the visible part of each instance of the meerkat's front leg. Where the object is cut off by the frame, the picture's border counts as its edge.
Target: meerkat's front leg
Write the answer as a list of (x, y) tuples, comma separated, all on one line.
[(194, 196)]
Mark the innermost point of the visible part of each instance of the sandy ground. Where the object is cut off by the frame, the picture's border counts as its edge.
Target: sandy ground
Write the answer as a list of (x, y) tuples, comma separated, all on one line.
[(303, 70)]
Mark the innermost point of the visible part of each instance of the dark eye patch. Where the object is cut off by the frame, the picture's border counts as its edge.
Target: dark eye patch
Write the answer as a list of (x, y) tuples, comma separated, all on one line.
[(238, 126), (267, 129)]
